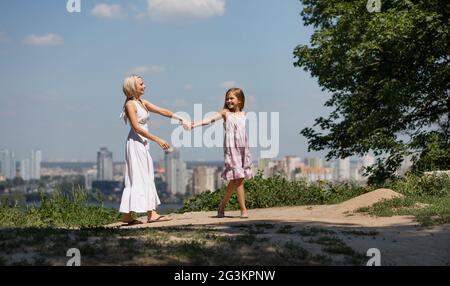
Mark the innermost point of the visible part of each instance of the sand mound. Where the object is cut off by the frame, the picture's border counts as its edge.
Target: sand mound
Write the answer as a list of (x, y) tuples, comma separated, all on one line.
[(368, 199)]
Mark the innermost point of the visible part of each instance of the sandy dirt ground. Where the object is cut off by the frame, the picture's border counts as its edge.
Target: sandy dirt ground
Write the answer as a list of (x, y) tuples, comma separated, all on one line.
[(400, 240)]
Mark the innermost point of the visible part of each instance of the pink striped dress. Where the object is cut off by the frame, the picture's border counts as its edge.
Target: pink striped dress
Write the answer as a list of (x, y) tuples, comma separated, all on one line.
[(238, 159)]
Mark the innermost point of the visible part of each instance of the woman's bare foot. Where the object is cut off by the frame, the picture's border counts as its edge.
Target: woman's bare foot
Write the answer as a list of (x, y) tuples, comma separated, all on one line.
[(126, 218), (154, 217)]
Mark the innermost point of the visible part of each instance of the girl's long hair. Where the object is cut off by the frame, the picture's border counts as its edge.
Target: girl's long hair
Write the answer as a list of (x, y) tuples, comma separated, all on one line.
[(240, 96)]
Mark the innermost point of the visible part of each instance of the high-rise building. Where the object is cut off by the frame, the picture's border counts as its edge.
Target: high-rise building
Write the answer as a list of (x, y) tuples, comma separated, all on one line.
[(204, 179), (175, 172), (314, 169), (89, 177), (361, 165), (279, 168), (343, 170), (105, 165), (405, 166), (314, 162), (368, 160), (25, 170), (263, 166), (292, 163), (119, 171), (35, 164), (8, 164)]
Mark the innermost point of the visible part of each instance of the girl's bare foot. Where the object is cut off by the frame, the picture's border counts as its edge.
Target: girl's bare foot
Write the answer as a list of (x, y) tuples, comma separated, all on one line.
[(244, 214), (220, 212)]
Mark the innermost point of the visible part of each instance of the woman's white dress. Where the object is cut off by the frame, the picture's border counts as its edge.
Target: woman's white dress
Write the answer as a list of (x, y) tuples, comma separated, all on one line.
[(139, 194)]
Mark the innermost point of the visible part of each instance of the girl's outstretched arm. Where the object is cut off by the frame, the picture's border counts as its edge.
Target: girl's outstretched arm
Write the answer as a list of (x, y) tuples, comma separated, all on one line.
[(206, 121)]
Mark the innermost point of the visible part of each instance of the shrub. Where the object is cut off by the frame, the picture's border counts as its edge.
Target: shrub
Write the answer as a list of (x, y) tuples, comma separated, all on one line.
[(58, 210), (424, 185), (277, 191)]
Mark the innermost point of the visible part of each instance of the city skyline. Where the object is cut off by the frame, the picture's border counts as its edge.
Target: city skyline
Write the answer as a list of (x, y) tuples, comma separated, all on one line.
[(182, 179), (75, 98)]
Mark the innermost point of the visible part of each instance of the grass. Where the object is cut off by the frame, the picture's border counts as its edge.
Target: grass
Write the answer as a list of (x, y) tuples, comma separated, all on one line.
[(360, 232), (277, 191), (165, 246), (334, 245), (313, 231), (42, 235), (434, 211), (427, 198), (58, 210)]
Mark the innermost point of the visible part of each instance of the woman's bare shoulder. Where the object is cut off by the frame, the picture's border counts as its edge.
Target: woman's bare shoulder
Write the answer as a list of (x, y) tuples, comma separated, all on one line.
[(130, 105), (145, 101)]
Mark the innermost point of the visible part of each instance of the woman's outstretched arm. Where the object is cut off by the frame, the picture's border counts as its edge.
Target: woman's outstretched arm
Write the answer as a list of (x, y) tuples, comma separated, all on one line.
[(206, 121), (161, 111), (130, 111)]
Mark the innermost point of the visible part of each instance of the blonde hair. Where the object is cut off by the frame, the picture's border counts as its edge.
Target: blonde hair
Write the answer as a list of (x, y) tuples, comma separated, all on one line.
[(239, 94), (129, 90), (129, 86)]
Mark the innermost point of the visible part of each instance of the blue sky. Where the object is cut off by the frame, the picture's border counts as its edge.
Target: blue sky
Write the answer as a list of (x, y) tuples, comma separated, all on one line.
[(62, 73)]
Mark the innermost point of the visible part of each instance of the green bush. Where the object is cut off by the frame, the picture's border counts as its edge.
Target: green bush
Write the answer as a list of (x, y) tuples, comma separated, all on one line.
[(422, 185), (58, 210), (276, 191), (427, 197)]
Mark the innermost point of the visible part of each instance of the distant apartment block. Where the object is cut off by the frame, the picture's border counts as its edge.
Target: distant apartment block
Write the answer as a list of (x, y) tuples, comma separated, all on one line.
[(7, 164), (35, 164), (204, 179), (25, 169), (105, 168), (175, 172)]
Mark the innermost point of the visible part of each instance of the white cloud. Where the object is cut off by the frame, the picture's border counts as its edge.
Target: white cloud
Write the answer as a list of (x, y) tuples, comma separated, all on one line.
[(188, 86), (139, 14), (228, 84), (107, 11), (166, 10), (45, 40), (141, 70)]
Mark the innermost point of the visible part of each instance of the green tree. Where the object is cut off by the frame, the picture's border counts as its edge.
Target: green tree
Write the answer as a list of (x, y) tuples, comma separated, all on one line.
[(388, 73)]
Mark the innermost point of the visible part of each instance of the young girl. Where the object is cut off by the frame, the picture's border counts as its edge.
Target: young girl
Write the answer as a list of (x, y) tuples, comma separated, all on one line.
[(238, 160)]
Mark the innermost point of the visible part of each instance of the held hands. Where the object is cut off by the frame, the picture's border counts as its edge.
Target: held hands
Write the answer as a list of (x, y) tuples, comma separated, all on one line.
[(193, 125), (189, 125), (186, 124)]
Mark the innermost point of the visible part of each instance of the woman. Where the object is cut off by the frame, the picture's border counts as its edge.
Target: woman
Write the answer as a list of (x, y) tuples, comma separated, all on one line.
[(139, 194)]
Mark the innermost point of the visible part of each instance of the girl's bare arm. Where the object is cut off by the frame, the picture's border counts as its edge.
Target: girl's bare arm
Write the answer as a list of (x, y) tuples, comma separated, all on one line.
[(205, 121)]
